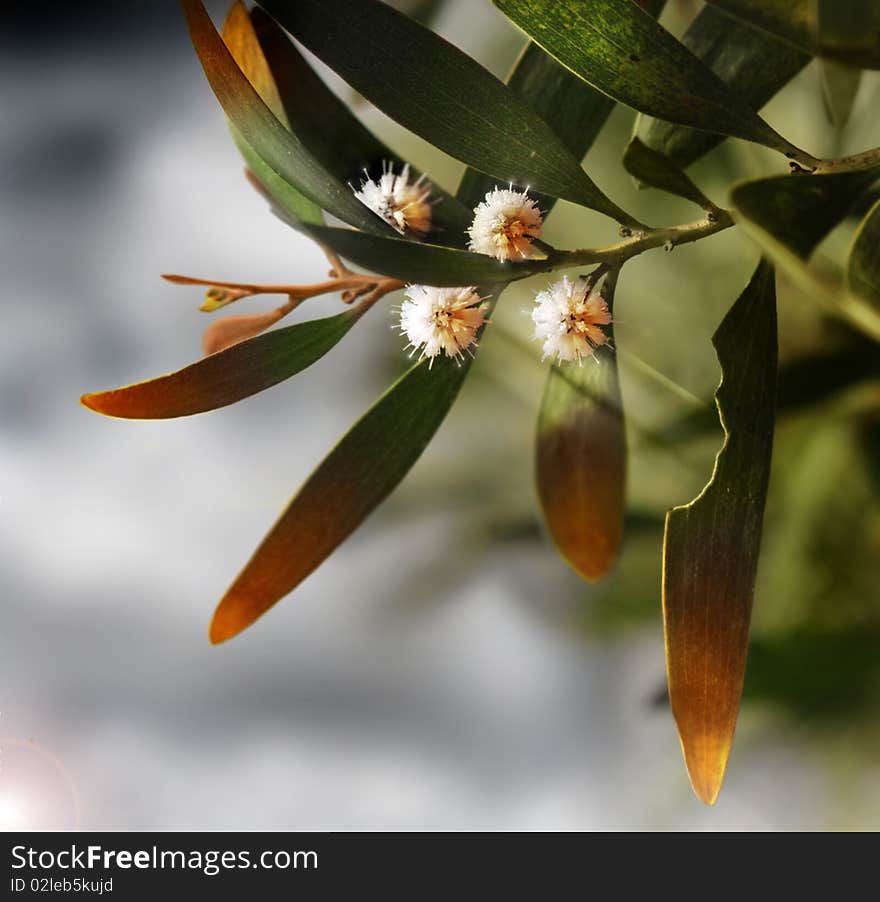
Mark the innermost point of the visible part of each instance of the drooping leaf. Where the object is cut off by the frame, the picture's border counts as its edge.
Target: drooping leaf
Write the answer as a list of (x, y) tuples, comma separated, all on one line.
[(711, 545), (800, 210), (580, 462), (863, 266), (259, 127), (227, 376), (618, 48), (329, 130), (440, 93), (853, 38), (358, 474), (656, 170), (750, 62)]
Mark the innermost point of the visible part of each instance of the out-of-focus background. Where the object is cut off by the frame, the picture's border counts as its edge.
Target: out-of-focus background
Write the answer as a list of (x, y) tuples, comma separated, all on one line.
[(444, 670)]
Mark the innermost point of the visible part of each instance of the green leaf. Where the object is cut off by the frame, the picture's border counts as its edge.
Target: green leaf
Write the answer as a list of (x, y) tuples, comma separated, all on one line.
[(227, 376), (358, 474), (768, 209), (800, 210), (863, 266), (750, 62), (581, 463), (658, 171), (711, 545), (441, 94), (573, 109), (618, 48), (333, 134), (256, 123), (850, 29)]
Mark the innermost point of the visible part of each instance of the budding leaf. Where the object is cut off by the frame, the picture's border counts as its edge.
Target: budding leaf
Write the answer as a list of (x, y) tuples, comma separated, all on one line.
[(711, 545), (658, 171)]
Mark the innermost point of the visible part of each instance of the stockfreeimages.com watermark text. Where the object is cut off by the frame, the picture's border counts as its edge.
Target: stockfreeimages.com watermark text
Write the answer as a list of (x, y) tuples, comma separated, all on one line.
[(210, 863)]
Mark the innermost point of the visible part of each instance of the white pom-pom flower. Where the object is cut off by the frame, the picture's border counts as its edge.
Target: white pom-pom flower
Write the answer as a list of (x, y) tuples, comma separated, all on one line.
[(568, 317), (441, 320), (404, 205), (505, 224)]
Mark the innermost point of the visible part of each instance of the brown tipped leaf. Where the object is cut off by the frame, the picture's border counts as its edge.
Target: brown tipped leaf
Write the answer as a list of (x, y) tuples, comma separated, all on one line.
[(710, 551), (581, 462), (229, 375)]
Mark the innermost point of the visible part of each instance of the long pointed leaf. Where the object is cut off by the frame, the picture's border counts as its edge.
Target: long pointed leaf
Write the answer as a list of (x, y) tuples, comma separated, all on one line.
[(332, 133), (710, 551), (618, 48), (358, 474), (256, 123), (581, 463), (753, 64), (440, 93), (227, 376)]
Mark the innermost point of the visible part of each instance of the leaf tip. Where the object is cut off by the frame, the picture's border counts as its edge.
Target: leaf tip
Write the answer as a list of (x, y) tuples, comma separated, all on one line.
[(706, 760)]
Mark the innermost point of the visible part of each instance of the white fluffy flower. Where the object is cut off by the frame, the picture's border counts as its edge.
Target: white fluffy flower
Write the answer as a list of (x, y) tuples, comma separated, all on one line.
[(567, 318), (505, 224), (443, 320), (403, 205)]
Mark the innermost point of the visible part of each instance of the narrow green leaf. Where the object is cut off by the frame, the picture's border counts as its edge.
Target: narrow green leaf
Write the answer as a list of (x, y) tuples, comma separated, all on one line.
[(850, 30), (330, 131), (863, 267), (358, 474), (618, 48), (711, 545), (417, 262), (580, 463), (750, 62), (241, 38), (256, 123), (227, 376), (421, 263), (656, 170), (441, 94), (800, 210)]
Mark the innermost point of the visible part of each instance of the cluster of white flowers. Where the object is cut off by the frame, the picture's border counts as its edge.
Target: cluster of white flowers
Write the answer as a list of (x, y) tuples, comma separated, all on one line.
[(568, 316)]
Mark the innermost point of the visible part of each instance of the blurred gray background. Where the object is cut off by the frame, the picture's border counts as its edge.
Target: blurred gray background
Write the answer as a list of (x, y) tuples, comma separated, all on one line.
[(443, 670)]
